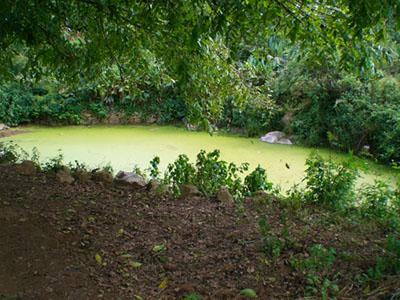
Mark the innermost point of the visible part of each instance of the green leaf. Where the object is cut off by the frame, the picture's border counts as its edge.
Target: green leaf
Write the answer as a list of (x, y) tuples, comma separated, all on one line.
[(135, 264), (159, 248), (98, 258), (163, 284), (192, 296), (249, 293)]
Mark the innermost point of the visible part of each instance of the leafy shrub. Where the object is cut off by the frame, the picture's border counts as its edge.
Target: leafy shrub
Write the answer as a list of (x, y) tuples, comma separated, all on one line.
[(99, 110), (327, 114), (337, 109), (56, 108), (381, 202), (77, 166), (210, 173), (328, 183), (320, 259), (376, 199), (15, 104), (255, 116), (389, 263), (55, 163), (181, 171), (316, 269), (9, 152), (386, 90), (272, 245), (257, 181), (154, 170), (213, 173), (386, 137)]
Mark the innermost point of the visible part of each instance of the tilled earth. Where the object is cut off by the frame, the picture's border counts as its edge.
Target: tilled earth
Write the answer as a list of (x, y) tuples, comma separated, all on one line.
[(92, 240)]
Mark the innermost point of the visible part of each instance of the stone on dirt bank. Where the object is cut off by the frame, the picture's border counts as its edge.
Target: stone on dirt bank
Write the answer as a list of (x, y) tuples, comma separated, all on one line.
[(82, 175), (158, 188), (224, 196), (115, 118), (189, 190), (130, 178), (276, 137), (64, 176), (4, 127), (103, 176), (27, 167), (261, 196), (153, 185)]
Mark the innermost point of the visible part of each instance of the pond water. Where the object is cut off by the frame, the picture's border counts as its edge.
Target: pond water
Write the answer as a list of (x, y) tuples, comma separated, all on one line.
[(123, 147)]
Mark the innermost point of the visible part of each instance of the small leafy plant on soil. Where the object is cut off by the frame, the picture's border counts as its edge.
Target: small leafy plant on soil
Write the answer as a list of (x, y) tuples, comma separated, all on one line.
[(272, 246), (257, 181), (210, 173), (54, 164), (380, 201), (11, 153), (154, 167), (328, 183), (193, 296), (388, 264), (316, 268)]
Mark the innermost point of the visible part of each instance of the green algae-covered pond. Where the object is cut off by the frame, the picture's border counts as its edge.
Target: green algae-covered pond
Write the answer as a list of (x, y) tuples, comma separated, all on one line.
[(123, 147)]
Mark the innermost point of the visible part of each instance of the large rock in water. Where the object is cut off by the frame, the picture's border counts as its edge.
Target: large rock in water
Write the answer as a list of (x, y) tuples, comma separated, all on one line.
[(276, 137), (130, 178), (284, 141)]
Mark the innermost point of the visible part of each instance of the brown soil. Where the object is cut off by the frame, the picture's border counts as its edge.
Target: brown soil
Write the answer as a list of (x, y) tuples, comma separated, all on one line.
[(86, 240), (11, 132)]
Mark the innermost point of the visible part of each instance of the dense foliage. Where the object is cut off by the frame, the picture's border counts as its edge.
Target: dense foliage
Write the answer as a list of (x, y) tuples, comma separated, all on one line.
[(210, 174), (340, 110)]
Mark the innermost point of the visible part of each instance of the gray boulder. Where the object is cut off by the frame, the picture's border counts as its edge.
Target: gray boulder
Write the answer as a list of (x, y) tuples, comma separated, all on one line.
[(284, 141), (131, 178), (269, 139), (276, 137)]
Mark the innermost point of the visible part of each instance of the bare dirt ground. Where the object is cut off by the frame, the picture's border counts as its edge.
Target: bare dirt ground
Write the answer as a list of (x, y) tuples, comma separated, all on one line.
[(96, 241), (11, 132)]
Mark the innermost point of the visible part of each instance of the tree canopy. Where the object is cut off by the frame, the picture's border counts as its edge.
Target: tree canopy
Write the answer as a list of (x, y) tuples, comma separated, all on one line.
[(77, 38)]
